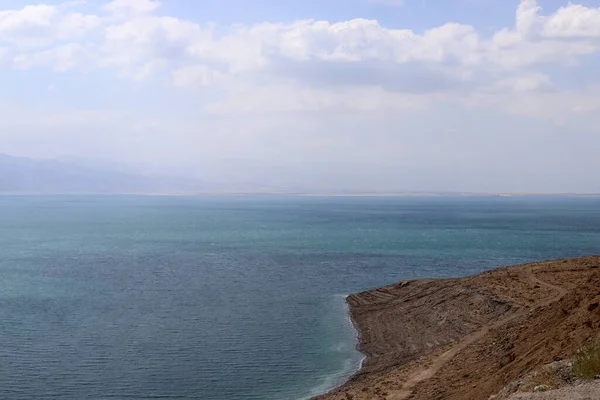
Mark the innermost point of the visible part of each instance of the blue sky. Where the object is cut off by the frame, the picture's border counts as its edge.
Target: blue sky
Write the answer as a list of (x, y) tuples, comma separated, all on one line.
[(412, 14), (462, 95)]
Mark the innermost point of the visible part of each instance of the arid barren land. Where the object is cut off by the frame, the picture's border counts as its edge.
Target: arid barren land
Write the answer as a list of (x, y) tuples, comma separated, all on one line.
[(468, 338)]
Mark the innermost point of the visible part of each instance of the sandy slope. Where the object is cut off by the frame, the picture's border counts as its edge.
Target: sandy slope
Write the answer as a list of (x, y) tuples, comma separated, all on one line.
[(467, 338)]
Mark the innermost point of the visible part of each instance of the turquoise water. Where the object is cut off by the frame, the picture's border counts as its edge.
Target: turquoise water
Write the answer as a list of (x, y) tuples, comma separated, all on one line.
[(126, 297)]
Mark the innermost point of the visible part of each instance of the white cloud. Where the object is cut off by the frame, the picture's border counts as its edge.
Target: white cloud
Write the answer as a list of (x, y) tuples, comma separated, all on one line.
[(140, 41), (251, 99), (135, 7), (197, 75), (569, 22), (554, 105), (573, 21), (311, 65), (27, 18), (525, 83), (44, 25), (60, 59), (75, 25), (452, 51)]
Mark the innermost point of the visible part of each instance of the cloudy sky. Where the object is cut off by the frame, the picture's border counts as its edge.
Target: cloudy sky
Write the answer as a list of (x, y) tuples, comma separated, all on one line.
[(376, 95)]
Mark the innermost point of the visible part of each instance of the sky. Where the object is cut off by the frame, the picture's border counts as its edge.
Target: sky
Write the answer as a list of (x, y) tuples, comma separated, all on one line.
[(328, 95)]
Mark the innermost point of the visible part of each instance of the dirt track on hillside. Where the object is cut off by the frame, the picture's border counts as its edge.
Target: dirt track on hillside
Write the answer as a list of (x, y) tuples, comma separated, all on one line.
[(467, 338)]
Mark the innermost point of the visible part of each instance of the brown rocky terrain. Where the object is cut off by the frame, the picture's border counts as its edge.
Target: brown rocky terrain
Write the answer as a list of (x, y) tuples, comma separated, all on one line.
[(554, 381), (469, 338)]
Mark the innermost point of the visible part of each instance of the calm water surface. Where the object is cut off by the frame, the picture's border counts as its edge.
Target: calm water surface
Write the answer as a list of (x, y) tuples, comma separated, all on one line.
[(126, 297)]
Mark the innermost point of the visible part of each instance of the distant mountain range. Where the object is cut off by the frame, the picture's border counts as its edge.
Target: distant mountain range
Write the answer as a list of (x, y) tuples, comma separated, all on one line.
[(19, 175), (25, 175)]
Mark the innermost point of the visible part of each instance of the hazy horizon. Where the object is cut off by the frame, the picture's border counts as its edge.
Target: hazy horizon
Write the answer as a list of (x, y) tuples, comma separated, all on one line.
[(381, 96), (68, 176)]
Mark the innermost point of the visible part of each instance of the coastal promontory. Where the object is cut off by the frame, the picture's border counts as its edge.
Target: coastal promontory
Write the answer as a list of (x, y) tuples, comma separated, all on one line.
[(501, 334)]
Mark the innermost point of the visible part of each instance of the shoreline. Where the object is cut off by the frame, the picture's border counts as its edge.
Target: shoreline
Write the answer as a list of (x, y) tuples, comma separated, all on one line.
[(412, 333), (351, 366), (357, 337)]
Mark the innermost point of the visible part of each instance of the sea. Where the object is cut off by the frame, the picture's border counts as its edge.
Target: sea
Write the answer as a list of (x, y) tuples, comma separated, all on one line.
[(234, 297)]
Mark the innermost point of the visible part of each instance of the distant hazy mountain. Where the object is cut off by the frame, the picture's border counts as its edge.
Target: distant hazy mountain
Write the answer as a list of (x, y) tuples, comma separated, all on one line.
[(24, 175)]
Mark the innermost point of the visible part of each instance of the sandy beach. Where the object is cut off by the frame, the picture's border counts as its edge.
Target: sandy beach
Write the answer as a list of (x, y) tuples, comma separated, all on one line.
[(468, 338)]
